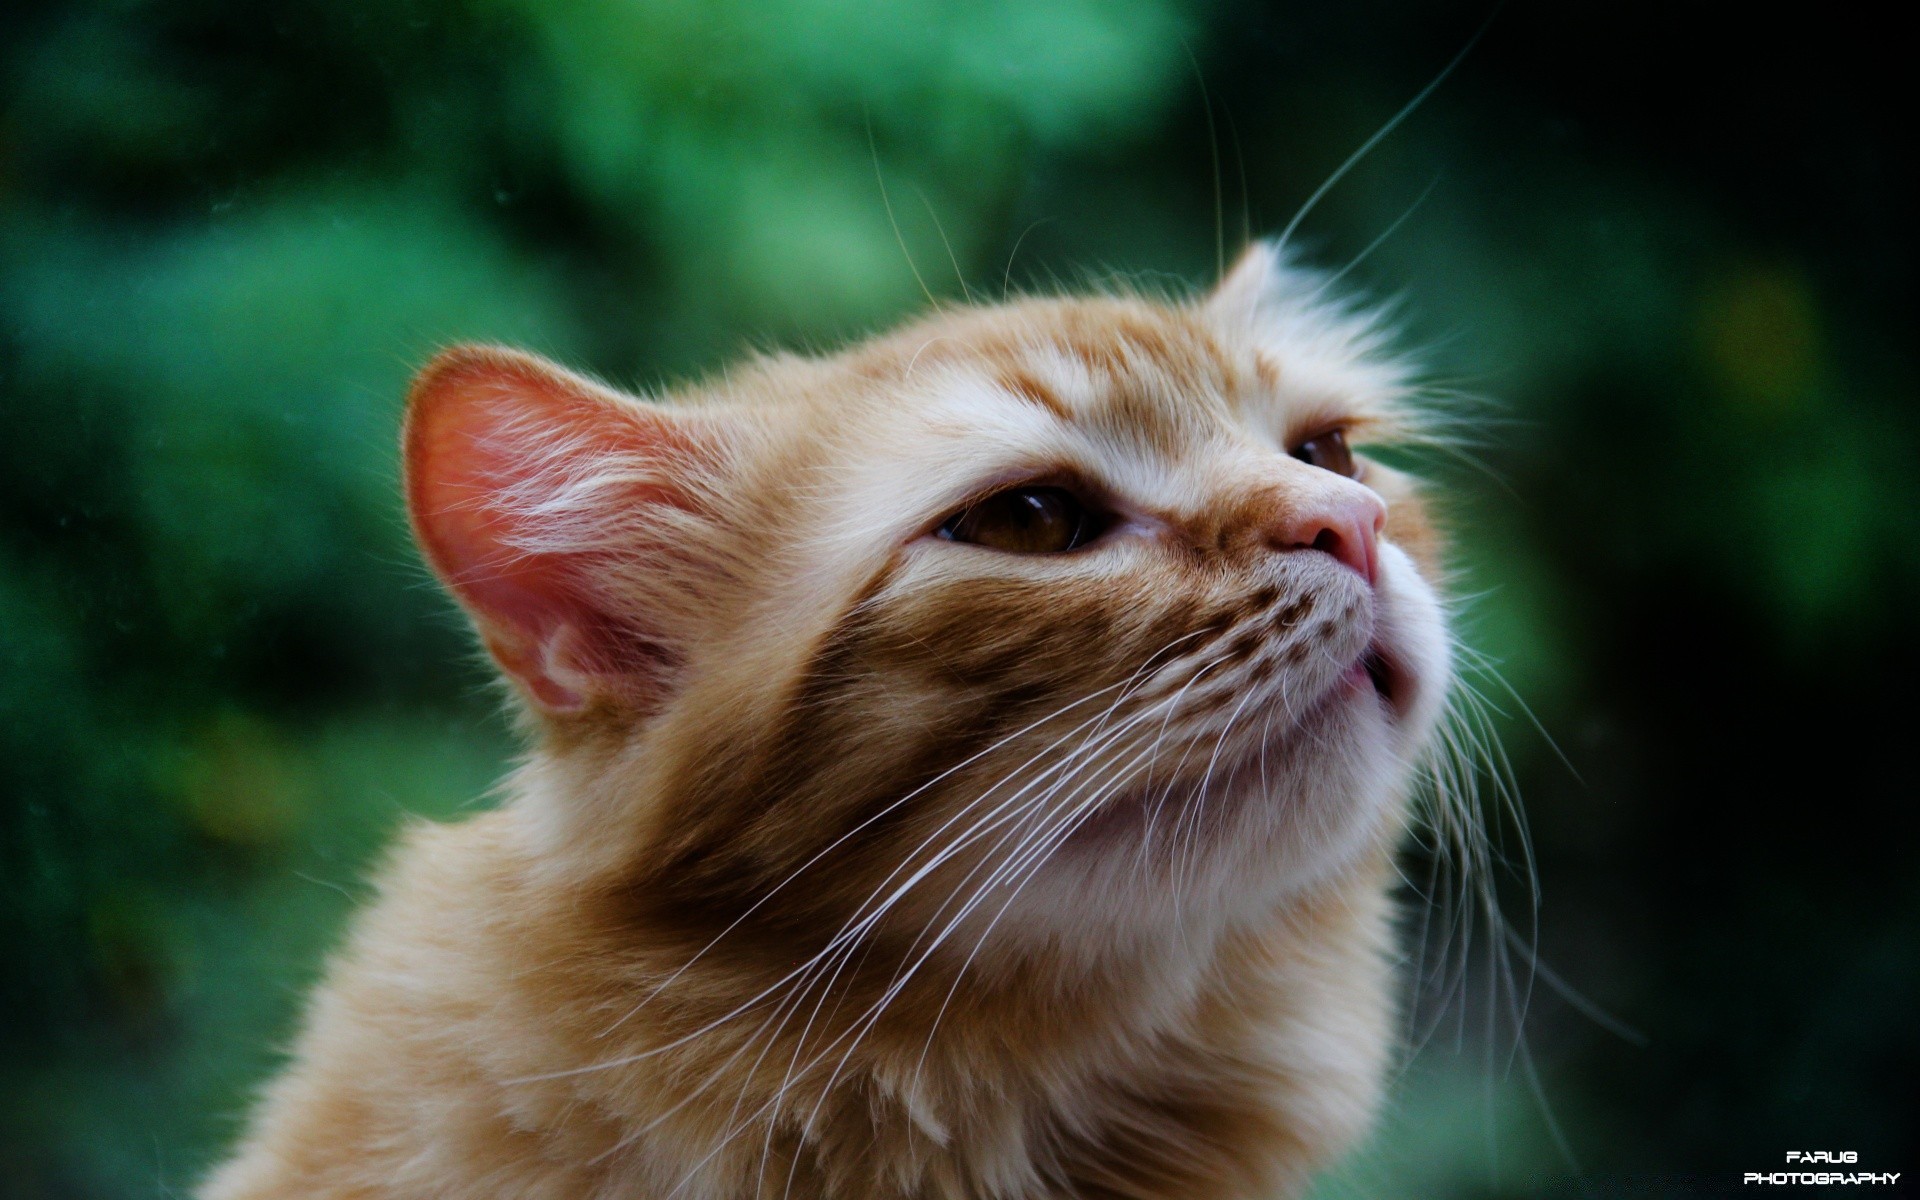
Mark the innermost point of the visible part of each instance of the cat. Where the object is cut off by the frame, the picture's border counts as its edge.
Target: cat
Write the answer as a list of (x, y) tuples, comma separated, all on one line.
[(967, 765)]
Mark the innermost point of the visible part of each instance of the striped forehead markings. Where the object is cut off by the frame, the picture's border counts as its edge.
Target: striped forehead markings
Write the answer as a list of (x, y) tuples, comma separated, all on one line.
[(1141, 379), (1025, 384)]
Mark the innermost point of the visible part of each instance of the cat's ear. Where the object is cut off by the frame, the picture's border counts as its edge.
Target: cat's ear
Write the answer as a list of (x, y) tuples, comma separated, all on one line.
[(537, 495), (1254, 279)]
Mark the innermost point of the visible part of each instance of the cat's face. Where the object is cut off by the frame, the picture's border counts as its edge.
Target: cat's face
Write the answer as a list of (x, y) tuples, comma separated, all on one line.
[(1061, 617)]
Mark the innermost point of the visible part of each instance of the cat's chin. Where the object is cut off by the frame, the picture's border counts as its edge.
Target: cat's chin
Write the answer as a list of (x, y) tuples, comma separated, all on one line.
[(1291, 800), (1270, 819), (1185, 877)]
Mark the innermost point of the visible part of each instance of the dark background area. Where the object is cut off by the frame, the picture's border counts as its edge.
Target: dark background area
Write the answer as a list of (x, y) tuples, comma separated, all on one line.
[(1658, 259)]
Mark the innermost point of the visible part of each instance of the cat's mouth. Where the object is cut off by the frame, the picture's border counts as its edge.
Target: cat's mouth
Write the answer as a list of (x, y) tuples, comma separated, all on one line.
[(1387, 676), (1379, 670)]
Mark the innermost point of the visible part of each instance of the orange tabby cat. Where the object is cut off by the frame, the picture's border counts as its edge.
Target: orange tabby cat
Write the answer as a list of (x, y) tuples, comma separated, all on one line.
[(965, 766)]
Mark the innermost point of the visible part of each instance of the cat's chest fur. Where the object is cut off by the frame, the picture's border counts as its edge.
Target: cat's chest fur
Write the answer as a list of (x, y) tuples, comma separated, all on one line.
[(460, 1048)]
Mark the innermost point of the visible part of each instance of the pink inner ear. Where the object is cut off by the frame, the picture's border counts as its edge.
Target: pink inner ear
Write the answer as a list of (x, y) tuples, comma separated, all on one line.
[(490, 433)]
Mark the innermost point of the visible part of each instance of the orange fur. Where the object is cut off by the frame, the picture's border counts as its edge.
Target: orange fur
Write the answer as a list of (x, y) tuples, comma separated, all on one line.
[(850, 860)]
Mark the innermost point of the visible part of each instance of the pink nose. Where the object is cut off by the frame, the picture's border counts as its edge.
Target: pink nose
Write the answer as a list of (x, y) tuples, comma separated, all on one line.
[(1345, 524)]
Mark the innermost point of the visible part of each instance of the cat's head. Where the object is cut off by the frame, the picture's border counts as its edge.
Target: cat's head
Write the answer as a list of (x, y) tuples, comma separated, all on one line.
[(1086, 611)]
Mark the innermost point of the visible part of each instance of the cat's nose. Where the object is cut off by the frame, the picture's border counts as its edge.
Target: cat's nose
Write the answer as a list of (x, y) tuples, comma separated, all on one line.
[(1344, 522)]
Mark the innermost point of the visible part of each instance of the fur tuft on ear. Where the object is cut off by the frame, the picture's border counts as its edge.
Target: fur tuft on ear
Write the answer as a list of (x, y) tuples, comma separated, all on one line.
[(1322, 344), (560, 513), (1248, 285)]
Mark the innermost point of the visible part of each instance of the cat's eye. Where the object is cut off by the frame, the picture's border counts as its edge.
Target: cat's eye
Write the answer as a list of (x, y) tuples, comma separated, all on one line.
[(1025, 520), (1328, 451)]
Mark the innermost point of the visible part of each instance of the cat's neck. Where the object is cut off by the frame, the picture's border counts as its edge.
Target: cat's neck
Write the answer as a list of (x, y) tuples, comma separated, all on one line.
[(572, 1050), (879, 1046)]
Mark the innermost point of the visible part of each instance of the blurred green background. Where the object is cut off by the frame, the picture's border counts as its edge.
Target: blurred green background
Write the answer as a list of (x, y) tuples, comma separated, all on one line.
[(1671, 245)]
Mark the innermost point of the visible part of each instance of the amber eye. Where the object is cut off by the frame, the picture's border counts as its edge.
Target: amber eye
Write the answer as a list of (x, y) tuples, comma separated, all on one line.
[(1328, 451), (1028, 520)]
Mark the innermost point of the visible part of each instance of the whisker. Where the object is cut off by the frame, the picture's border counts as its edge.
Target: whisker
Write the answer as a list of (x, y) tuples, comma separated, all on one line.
[(1380, 135), (836, 953), (870, 1019), (877, 816)]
